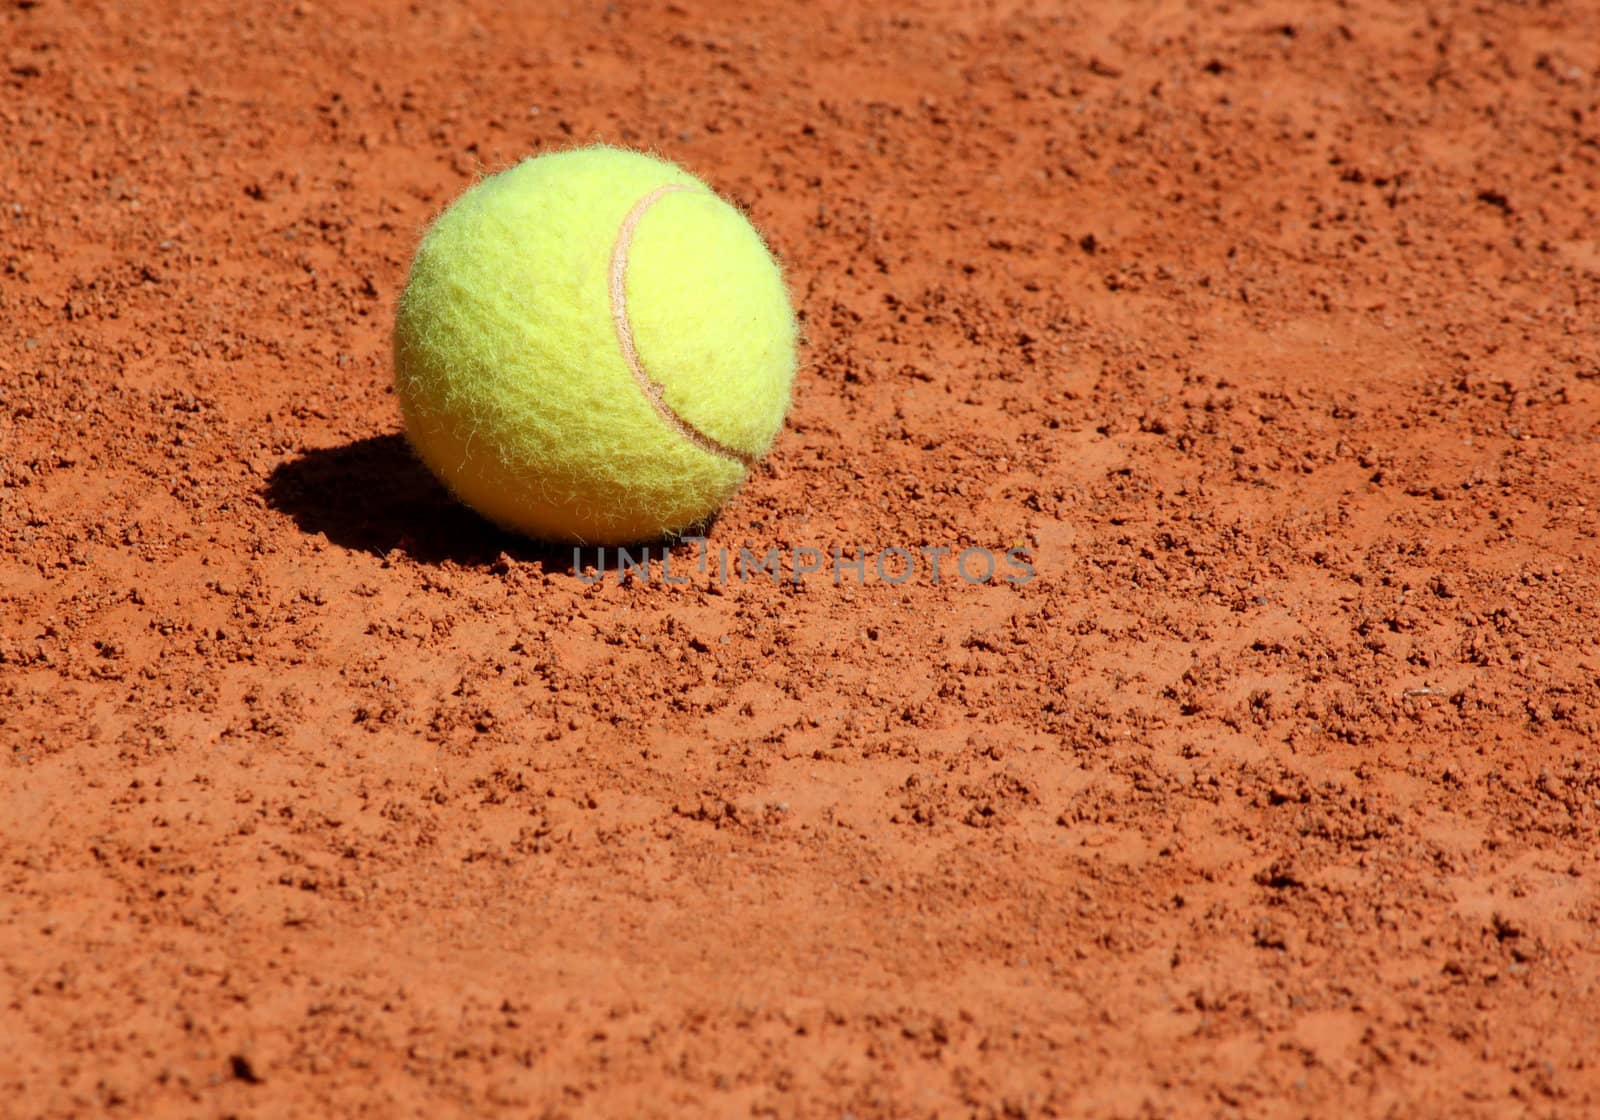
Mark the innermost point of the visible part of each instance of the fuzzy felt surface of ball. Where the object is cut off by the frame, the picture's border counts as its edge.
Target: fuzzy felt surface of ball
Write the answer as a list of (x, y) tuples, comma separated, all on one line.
[(593, 347)]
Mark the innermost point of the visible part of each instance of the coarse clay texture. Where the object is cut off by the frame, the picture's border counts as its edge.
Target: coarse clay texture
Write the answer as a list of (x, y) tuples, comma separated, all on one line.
[(1270, 331)]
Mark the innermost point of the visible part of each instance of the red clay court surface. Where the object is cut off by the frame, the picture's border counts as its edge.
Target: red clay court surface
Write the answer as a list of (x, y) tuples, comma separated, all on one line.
[(1271, 331)]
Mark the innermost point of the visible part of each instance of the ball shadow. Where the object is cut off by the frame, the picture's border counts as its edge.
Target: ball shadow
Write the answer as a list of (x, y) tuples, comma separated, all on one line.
[(373, 495)]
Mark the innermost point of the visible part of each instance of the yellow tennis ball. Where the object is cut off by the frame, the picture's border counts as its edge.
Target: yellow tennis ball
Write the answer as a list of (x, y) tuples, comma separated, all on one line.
[(593, 347)]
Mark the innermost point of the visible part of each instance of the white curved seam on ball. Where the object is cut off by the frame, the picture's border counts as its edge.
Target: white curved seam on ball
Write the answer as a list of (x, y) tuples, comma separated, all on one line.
[(652, 391)]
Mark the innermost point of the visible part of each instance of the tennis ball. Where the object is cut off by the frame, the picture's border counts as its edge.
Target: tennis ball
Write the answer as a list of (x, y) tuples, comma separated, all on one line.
[(592, 347)]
